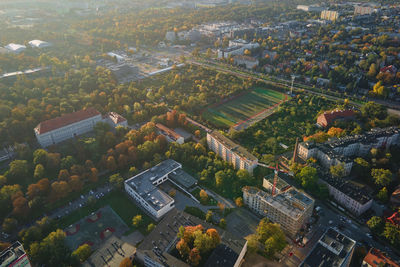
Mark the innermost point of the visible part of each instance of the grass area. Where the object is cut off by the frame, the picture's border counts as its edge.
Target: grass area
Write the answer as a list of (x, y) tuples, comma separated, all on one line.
[(119, 202), (242, 107), (210, 200)]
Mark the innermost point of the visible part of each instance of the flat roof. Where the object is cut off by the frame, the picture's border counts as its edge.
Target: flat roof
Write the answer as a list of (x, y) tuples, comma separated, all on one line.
[(332, 249), (292, 202), (12, 253), (142, 183), (350, 189), (183, 178), (238, 149)]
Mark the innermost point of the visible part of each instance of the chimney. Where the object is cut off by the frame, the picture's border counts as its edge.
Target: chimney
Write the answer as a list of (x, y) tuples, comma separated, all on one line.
[(295, 150)]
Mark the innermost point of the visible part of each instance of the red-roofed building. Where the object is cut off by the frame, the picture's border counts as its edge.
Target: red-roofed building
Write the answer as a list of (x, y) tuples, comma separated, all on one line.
[(170, 134), (389, 69), (327, 118), (395, 198), (394, 218), (375, 258), (68, 126)]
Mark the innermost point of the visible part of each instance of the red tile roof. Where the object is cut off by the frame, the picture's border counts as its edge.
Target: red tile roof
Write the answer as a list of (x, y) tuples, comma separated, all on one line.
[(376, 258), (328, 117), (67, 119)]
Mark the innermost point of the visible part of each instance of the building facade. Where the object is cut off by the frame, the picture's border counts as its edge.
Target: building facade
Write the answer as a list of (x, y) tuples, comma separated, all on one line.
[(231, 152), (14, 256), (327, 118), (329, 15), (248, 62), (375, 258), (291, 208), (143, 188), (339, 151)]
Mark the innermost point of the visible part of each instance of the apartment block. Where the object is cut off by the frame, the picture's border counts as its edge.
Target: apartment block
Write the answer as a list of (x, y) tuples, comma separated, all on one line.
[(290, 208), (231, 152)]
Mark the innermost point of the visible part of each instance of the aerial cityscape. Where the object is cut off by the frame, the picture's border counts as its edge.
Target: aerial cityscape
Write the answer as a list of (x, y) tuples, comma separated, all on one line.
[(173, 133)]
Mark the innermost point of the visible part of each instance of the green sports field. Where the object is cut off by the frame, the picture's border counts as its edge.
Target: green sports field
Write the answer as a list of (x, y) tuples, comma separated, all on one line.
[(242, 107)]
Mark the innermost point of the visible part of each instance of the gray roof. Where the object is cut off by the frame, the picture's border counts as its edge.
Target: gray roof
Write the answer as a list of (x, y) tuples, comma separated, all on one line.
[(241, 151), (332, 250), (183, 178), (143, 183)]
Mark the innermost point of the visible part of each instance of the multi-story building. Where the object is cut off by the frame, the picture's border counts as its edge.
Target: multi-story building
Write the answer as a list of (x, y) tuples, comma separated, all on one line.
[(230, 51), (333, 249), (312, 8), (14, 256), (170, 134), (157, 249), (363, 10), (231, 152), (143, 188), (290, 208), (353, 197), (70, 125), (327, 118), (376, 258), (248, 62), (341, 150), (329, 15)]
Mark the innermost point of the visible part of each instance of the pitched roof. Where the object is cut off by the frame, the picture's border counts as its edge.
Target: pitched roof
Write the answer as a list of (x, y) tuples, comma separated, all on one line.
[(376, 258), (67, 119), (334, 114), (115, 117), (168, 131)]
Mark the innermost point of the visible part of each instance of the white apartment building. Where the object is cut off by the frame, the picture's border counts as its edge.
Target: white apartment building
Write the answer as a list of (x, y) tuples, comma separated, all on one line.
[(231, 152), (70, 125), (290, 208), (230, 51), (143, 188), (338, 151)]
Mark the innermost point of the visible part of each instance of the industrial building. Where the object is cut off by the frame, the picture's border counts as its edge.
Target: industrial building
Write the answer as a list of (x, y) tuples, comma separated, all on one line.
[(231, 152)]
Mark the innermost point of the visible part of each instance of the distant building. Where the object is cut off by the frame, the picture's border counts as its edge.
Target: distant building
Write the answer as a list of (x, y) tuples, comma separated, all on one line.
[(394, 218), (329, 15), (248, 62), (158, 248), (290, 208), (39, 44), (170, 36), (70, 125), (395, 197), (340, 150), (143, 188), (333, 249), (170, 134), (15, 48), (376, 258), (353, 197), (244, 43), (311, 8), (230, 51), (327, 118), (231, 152), (14, 256), (363, 10)]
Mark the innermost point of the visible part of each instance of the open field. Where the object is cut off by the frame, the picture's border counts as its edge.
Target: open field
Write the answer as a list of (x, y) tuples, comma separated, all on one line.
[(239, 109)]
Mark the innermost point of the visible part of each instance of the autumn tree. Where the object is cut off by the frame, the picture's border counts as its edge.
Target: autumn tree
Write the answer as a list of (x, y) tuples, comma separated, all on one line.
[(117, 181), (126, 262), (137, 220), (39, 172), (203, 196), (82, 252), (337, 170), (381, 177), (239, 202)]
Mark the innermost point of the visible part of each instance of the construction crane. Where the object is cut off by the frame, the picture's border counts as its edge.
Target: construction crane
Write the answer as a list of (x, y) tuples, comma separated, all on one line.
[(276, 170)]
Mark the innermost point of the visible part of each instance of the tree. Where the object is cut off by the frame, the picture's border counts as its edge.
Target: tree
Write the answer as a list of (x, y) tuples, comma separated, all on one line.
[(252, 243), (219, 178), (150, 227), (63, 175), (243, 175), (381, 177), (209, 216), (19, 169), (239, 202), (126, 262), (40, 157), (20, 206), (222, 223), (117, 181), (111, 165), (337, 170), (308, 177), (82, 252), (39, 172), (183, 248), (203, 196), (137, 220), (3, 180), (383, 195), (392, 234), (375, 224), (271, 236), (9, 225)]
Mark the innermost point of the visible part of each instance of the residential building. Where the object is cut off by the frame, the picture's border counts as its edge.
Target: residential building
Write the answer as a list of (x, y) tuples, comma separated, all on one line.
[(333, 249), (350, 195), (231, 152), (68, 126), (327, 118), (170, 36), (363, 10), (329, 15), (157, 249), (244, 43), (14, 256), (248, 62), (143, 188), (15, 48), (312, 8), (114, 119), (170, 134), (376, 258), (230, 51), (341, 150), (39, 44), (290, 208)]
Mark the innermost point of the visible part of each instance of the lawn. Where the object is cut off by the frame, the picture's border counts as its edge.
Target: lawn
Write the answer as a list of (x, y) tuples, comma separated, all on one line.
[(119, 202), (242, 107)]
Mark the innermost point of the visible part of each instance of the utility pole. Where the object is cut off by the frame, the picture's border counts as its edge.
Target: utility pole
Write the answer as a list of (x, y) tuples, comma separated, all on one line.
[(291, 87)]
